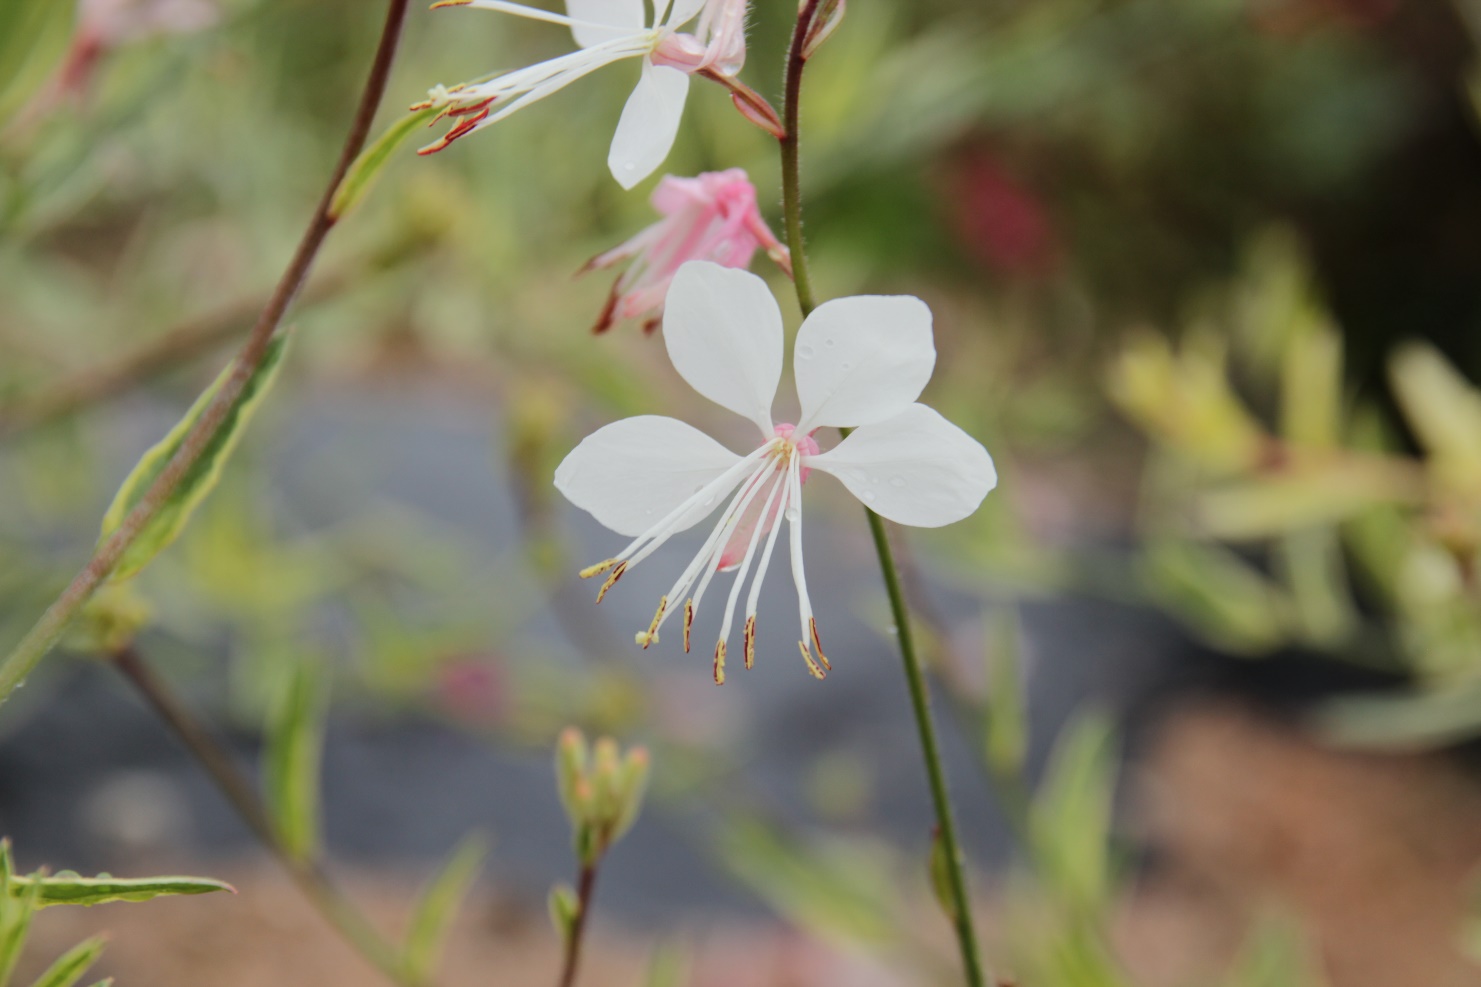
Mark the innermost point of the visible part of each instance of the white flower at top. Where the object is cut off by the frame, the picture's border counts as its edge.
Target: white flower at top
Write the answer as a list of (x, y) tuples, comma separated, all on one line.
[(859, 363), (609, 31)]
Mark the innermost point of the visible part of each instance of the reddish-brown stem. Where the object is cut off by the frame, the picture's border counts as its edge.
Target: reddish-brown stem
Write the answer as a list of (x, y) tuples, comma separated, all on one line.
[(48, 630)]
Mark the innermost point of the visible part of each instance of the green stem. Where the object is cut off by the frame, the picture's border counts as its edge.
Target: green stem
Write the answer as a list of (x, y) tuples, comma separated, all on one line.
[(920, 699), (44, 635), (338, 910)]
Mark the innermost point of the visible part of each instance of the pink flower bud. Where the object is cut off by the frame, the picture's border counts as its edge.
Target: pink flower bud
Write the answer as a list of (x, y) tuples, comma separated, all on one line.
[(710, 217)]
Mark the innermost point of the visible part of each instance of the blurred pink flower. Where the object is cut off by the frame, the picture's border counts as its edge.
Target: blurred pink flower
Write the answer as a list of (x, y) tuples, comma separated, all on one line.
[(1002, 221), (472, 689), (710, 217), (104, 25)]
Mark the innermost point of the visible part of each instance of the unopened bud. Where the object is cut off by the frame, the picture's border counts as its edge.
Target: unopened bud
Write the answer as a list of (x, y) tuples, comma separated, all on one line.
[(571, 757), (940, 866), (565, 908), (825, 20), (633, 785)]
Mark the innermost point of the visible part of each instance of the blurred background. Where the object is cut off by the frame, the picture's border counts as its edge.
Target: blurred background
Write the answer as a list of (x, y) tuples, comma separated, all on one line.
[(1206, 277)]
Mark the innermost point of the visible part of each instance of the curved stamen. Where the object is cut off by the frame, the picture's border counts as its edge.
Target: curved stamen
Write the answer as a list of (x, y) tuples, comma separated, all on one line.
[(705, 562), (745, 568), (799, 577)]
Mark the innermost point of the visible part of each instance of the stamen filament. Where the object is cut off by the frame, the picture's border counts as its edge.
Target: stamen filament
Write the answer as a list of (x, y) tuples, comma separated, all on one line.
[(745, 566)]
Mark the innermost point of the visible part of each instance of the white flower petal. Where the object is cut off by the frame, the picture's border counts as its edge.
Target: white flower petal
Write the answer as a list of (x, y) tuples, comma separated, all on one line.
[(631, 473), (723, 331), (625, 17), (863, 359), (680, 12), (917, 468), (649, 124)]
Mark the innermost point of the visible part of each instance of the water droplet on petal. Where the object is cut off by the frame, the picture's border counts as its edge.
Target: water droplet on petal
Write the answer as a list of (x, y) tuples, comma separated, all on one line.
[(897, 480), (793, 515), (804, 352), (870, 496), (709, 501), (846, 365), (828, 341)]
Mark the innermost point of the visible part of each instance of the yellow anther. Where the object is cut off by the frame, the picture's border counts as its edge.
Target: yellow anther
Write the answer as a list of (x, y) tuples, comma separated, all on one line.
[(750, 637), (611, 580), (649, 636), (818, 643), (688, 622), (720, 663), (598, 569), (812, 666)]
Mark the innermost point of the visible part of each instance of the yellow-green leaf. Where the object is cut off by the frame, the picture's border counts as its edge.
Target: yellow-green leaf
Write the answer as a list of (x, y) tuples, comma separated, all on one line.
[(295, 744), (71, 965), (439, 904), (71, 889), (200, 479), (367, 167)]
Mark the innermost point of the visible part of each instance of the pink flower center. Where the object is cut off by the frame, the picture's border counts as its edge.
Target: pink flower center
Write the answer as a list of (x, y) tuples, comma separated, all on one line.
[(806, 445)]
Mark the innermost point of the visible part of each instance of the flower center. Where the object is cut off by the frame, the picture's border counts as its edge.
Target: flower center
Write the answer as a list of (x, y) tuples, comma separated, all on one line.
[(806, 446)]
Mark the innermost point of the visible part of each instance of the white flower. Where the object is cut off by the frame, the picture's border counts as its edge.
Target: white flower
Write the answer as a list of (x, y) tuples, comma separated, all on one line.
[(859, 363), (609, 31)]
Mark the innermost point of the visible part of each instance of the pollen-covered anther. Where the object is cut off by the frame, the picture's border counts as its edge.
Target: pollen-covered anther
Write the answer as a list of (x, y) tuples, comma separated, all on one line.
[(750, 637), (812, 666), (598, 569), (650, 636), (449, 3), (611, 580), (688, 622), (720, 663), (817, 643), (464, 127)]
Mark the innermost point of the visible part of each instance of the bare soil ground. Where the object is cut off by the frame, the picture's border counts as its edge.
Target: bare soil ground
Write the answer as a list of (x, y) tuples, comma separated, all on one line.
[(1376, 856)]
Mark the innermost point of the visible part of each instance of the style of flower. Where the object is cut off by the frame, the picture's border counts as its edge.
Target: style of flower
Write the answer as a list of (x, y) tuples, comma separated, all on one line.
[(859, 363), (608, 31), (710, 217)]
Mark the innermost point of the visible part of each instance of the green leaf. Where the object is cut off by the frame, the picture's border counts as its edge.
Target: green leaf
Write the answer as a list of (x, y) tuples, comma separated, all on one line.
[(71, 889), (1414, 722), (1005, 739), (295, 744), (33, 35), (1072, 812), (564, 909), (1218, 594), (438, 905), (201, 478), (17, 905), (368, 166), (71, 965)]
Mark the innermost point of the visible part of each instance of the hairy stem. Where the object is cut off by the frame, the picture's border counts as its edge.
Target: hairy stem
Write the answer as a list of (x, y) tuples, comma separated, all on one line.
[(586, 885), (791, 164), (309, 875), (50, 627), (920, 699)]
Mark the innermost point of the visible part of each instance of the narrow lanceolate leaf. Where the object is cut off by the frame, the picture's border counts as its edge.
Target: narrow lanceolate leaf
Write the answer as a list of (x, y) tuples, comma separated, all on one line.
[(295, 743), (70, 889), (71, 965), (1005, 740), (16, 909), (438, 906), (564, 908), (372, 160), (199, 480), (1072, 813), (33, 38)]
